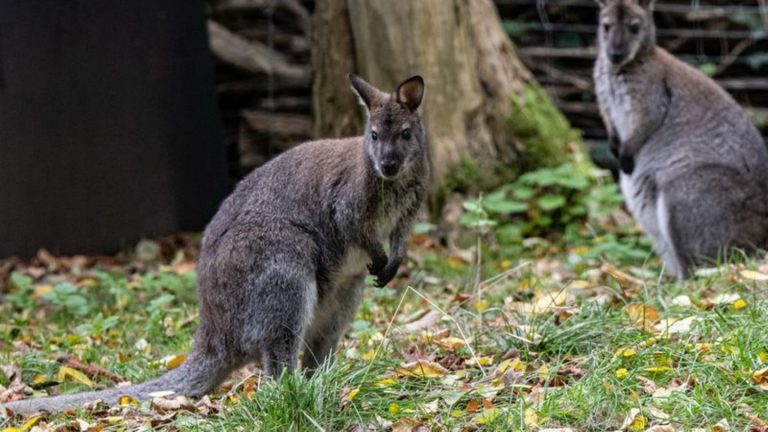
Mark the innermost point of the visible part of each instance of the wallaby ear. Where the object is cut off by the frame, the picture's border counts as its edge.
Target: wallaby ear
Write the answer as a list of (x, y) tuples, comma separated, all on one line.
[(410, 92), (366, 93)]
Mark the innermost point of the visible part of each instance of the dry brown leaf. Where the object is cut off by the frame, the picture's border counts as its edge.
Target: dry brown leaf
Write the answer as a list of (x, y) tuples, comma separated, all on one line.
[(176, 404), (643, 316), (423, 323)]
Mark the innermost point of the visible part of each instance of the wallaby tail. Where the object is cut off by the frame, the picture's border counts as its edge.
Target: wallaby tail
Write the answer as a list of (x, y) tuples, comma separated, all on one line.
[(196, 376)]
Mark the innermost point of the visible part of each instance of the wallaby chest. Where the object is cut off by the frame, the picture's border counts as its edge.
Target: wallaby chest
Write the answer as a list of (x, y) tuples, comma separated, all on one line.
[(615, 93)]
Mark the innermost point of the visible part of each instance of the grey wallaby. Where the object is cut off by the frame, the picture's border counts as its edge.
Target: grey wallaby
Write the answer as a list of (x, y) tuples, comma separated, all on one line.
[(283, 262), (694, 167)]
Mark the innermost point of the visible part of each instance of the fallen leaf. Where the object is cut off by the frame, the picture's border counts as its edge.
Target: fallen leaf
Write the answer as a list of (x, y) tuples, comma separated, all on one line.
[(450, 343), (676, 326), (422, 369), (347, 394), (531, 418), (721, 426), (178, 403), (682, 301), (74, 375), (739, 304), (428, 320), (487, 416), (660, 428), (643, 316), (480, 361), (753, 275)]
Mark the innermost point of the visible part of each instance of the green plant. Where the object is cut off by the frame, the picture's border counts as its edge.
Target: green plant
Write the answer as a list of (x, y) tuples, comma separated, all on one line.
[(571, 201), (67, 296)]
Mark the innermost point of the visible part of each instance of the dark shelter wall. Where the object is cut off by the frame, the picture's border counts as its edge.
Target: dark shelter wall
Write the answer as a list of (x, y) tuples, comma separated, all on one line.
[(108, 125)]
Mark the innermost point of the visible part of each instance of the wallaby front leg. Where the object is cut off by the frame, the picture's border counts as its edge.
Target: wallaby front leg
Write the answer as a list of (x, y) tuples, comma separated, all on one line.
[(396, 254), (378, 256)]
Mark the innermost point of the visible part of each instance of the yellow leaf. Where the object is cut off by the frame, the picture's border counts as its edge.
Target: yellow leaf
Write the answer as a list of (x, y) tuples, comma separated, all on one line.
[(531, 418), (369, 355), (543, 372), (753, 275), (30, 423), (503, 366), (126, 400), (760, 376), (739, 304), (386, 382), (515, 364), (457, 413), (638, 424), (450, 342), (642, 316), (11, 429), (351, 395), (627, 353), (580, 284), (657, 369), (39, 379), (480, 361), (43, 289), (487, 416), (480, 305), (175, 361), (394, 408), (703, 347), (75, 375), (422, 369), (763, 356), (621, 373), (547, 301)]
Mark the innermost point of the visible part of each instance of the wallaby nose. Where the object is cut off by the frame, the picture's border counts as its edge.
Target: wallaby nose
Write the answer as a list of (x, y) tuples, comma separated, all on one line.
[(616, 57), (390, 167)]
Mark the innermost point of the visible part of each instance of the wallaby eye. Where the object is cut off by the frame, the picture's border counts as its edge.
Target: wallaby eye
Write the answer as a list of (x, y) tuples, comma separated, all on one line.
[(607, 27), (406, 134), (634, 28), (374, 135)]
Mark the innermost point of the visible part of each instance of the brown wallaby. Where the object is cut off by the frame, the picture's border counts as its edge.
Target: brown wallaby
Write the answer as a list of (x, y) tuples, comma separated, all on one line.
[(694, 168), (283, 262)]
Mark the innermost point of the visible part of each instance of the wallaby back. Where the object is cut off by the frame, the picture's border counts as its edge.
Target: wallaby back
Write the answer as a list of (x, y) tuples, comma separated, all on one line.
[(283, 261), (694, 167)]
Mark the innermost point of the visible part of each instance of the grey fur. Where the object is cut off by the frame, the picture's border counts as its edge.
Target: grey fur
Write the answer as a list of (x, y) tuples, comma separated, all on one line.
[(694, 168), (282, 263)]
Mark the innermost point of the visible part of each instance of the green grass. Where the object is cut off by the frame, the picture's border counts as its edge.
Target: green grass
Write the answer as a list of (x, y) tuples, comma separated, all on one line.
[(585, 364)]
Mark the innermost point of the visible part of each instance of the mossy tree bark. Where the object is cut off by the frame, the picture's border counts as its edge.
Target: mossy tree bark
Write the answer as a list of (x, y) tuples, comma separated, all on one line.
[(483, 109)]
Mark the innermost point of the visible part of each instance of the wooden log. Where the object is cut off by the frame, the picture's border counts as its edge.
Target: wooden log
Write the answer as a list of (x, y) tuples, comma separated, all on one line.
[(296, 125), (303, 17), (250, 56)]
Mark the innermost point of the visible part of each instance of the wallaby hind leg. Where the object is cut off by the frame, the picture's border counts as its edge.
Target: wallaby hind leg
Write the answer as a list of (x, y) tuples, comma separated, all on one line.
[(281, 307), (333, 315), (705, 215)]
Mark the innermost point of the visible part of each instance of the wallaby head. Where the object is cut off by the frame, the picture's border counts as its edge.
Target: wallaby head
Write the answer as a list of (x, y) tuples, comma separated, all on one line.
[(394, 135), (626, 29)]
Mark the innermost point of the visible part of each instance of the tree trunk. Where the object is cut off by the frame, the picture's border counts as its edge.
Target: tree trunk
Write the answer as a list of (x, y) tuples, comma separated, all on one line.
[(482, 106)]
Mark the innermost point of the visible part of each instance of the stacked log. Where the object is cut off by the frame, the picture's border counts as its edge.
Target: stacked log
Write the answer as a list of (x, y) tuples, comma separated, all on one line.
[(263, 77)]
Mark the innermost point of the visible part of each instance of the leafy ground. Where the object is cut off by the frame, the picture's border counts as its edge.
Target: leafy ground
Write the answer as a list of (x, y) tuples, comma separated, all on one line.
[(527, 334)]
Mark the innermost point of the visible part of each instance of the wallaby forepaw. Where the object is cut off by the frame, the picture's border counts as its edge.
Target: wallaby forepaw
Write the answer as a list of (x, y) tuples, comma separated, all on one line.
[(386, 275), (627, 163), (377, 264)]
